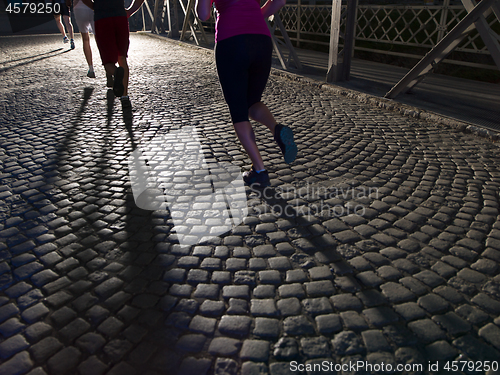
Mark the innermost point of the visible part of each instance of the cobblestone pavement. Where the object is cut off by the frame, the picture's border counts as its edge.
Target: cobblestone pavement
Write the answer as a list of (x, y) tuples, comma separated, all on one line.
[(381, 243)]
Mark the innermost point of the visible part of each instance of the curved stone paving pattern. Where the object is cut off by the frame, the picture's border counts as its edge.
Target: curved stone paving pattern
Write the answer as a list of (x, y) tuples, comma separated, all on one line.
[(390, 253)]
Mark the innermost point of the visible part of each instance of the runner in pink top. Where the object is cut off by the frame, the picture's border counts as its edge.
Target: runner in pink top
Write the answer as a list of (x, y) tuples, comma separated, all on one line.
[(245, 18), (243, 55)]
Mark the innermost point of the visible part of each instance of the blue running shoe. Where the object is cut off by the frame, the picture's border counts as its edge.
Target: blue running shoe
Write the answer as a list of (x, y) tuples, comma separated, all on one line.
[(283, 135)]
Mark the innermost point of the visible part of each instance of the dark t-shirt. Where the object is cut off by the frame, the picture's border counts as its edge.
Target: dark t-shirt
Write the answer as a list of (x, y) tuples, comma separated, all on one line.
[(109, 8)]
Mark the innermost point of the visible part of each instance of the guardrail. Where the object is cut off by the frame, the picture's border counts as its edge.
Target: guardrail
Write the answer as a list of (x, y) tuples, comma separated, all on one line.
[(389, 29), (399, 30)]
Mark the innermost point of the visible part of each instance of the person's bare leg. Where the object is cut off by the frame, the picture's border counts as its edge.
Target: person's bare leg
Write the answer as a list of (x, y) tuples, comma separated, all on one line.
[(122, 61), (110, 72), (69, 26), (86, 48), (246, 135), (110, 69), (59, 24), (260, 113)]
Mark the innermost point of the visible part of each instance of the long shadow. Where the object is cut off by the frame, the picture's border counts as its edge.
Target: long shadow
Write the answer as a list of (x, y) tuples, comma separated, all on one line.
[(155, 248), (87, 93), (110, 101), (128, 120), (121, 249), (52, 164), (31, 57), (138, 253), (34, 60), (159, 286)]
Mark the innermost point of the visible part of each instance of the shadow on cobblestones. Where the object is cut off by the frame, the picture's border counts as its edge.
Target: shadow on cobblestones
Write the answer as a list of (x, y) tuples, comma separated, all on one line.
[(70, 135), (128, 120), (32, 59)]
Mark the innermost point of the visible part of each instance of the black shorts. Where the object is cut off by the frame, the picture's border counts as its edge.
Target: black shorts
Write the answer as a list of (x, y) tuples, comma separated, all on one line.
[(62, 10), (243, 65)]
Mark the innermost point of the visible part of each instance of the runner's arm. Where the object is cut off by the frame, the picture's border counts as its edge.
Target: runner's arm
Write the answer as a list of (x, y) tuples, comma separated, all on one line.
[(134, 7), (89, 3), (203, 9), (271, 7)]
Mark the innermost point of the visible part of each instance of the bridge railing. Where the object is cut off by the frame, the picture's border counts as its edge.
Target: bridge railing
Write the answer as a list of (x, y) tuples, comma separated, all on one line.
[(398, 30), (407, 31)]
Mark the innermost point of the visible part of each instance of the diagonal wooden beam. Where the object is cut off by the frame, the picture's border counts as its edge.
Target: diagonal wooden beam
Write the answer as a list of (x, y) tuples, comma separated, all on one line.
[(150, 15), (288, 43), (154, 28), (489, 36), (187, 22), (276, 46), (440, 50), (292, 54)]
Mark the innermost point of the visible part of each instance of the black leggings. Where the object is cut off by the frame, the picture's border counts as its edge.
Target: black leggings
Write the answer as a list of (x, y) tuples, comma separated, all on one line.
[(243, 65)]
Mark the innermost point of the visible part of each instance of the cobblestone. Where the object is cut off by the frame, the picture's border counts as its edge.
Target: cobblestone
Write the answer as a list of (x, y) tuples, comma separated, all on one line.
[(20, 363), (297, 325), (91, 284), (12, 345), (490, 333), (191, 343), (224, 346), (266, 328), (255, 350), (235, 325), (410, 311), (380, 316), (375, 341), (426, 330), (396, 293), (347, 343)]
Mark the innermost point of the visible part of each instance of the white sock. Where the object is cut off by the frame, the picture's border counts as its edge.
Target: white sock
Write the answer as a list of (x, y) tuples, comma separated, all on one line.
[(91, 68), (124, 97)]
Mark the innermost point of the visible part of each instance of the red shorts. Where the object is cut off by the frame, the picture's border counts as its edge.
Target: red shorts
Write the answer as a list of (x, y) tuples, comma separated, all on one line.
[(112, 38)]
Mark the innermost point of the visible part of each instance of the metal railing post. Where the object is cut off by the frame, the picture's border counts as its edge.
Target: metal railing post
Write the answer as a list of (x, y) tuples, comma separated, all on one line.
[(154, 28), (333, 57), (443, 21), (143, 20), (299, 20), (350, 34), (173, 24)]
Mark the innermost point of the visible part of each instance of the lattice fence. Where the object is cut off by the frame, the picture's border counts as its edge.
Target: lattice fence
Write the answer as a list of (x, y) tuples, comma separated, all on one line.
[(308, 23), (420, 26), (379, 28)]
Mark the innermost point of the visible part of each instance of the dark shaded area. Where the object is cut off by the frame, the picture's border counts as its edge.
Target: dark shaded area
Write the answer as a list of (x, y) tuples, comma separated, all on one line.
[(31, 16)]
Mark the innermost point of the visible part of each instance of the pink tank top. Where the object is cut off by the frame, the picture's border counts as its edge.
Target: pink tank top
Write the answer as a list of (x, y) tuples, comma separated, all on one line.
[(237, 17)]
